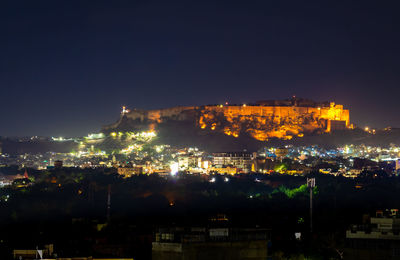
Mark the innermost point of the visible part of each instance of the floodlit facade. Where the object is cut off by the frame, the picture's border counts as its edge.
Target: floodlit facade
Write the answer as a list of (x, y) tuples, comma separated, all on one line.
[(261, 120)]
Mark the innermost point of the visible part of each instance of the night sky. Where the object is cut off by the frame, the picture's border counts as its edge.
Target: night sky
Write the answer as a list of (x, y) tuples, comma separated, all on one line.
[(67, 67)]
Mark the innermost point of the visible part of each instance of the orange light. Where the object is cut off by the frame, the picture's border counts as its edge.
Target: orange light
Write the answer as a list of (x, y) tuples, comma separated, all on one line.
[(265, 122)]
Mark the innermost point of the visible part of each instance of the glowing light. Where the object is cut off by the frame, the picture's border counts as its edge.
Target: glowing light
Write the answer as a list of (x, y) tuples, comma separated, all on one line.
[(113, 134), (61, 139), (205, 164), (124, 110), (142, 136), (174, 166), (131, 148), (212, 180), (226, 179), (259, 123), (159, 148), (95, 136)]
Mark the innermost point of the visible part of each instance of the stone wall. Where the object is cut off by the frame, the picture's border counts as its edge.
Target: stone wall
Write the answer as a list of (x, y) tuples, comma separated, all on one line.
[(260, 122)]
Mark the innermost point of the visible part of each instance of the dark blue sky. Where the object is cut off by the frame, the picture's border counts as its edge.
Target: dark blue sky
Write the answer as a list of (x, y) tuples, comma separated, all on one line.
[(66, 67)]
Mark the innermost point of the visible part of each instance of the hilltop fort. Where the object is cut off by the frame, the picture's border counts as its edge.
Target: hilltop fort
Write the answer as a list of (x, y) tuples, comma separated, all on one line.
[(261, 120)]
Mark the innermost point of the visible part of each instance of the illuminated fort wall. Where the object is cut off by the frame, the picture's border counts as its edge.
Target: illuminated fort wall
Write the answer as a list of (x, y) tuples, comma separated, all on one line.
[(261, 122), (158, 114), (334, 112)]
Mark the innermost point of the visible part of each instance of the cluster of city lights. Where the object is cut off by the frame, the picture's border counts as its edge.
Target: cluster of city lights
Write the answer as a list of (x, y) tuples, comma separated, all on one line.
[(95, 136), (132, 148), (145, 136)]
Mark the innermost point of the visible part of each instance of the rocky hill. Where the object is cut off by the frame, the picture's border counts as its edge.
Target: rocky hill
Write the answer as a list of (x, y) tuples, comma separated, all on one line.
[(260, 121)]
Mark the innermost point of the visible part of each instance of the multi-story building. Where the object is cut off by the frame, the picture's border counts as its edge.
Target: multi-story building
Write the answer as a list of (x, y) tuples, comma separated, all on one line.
[(185, 162), (211, 243), (241, 160)]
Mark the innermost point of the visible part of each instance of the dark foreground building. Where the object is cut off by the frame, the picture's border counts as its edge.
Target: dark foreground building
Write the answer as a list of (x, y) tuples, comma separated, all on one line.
[(377, 238), (210, 243)]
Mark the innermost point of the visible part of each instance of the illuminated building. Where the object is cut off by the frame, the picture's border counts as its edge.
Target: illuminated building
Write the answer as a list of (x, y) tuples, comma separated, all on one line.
[(397, 164), (129, 171), (34, 253), (281, 152), (261, 120), (187, 161), (224, 170), (240, 160)]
